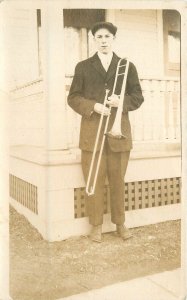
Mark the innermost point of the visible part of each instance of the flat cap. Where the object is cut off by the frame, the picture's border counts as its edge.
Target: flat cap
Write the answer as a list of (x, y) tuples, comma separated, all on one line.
[(107, 25)]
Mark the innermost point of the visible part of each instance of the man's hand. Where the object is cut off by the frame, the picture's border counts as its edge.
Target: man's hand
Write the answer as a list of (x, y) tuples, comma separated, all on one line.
[(113, 100), (101, 109)]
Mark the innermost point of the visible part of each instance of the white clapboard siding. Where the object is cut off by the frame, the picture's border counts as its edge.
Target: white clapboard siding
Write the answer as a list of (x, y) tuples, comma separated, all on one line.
[(137, 39), (27, 116), (22, 46)]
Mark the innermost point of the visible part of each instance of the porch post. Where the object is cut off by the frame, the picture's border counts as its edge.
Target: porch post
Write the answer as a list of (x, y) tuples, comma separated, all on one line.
[(54, 79), (58, 195)]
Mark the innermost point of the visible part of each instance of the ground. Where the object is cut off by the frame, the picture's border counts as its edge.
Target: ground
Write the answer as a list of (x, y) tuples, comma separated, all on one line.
[(40, 270)]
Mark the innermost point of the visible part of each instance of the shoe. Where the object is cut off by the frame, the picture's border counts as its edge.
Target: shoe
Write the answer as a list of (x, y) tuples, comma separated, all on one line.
[(96, 234), (123, 232)]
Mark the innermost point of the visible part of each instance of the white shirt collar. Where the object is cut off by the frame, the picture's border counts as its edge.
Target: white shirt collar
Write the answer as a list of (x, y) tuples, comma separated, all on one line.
[(105, 59)]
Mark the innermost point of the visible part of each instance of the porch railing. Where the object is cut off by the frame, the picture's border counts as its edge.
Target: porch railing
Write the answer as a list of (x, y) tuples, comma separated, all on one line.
[(158, 119)]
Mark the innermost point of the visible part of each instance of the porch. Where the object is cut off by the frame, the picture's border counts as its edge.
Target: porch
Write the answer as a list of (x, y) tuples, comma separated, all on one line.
[(47, 186)]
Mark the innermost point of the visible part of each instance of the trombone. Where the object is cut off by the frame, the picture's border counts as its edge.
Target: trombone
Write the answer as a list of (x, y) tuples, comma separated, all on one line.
[(115, 131)]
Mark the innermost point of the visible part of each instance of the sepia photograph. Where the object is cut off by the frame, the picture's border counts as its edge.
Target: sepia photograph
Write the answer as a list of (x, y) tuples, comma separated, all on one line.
[(93, 163)]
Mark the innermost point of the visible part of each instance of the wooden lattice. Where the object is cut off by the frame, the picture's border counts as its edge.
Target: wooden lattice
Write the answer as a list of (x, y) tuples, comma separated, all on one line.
[(24, 192), (138, 195)]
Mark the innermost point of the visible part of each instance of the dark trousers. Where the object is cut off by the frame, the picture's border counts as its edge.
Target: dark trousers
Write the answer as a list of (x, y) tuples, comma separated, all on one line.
[(113, 165)]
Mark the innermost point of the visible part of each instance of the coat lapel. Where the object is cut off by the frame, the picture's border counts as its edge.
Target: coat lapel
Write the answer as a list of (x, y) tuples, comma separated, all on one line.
[(112, 68), (98, 65)]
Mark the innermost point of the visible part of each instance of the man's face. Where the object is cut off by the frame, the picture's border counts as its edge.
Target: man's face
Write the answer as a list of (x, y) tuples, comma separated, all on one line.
[(104, 40)]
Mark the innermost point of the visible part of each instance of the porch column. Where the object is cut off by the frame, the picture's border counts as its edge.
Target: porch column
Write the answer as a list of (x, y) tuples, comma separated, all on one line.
[(53, 72), (57, 199)]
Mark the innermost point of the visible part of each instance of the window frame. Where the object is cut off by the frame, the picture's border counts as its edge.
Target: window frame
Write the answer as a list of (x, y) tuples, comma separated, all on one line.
[(170, 68)]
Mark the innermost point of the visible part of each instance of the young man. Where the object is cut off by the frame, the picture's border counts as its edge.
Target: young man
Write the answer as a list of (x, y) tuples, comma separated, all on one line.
[(91, 79)]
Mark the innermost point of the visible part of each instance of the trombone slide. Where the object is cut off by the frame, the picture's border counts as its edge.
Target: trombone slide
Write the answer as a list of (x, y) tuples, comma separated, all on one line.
[(90, 189)]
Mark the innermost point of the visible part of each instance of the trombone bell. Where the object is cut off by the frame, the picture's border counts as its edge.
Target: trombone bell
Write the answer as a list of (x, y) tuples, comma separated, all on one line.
[(115, 131)]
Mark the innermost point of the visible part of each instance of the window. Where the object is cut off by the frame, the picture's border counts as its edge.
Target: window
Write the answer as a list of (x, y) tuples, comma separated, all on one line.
[(171, 23)]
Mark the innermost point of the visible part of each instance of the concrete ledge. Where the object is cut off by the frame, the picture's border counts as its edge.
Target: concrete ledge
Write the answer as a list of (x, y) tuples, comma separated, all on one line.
[(141, 150), (62, 169)]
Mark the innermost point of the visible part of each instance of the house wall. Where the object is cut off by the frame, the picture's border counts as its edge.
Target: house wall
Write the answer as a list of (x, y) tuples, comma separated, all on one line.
[(22, 46), (27, 115), (27, 103), (140, 31), (139, 37)]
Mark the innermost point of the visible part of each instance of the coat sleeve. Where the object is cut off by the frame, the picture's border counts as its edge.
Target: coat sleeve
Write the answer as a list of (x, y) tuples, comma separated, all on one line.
[(76, 99), (133, 96)]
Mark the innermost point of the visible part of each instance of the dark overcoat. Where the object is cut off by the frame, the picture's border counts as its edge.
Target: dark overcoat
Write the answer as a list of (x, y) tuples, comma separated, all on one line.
[(88, 87)]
